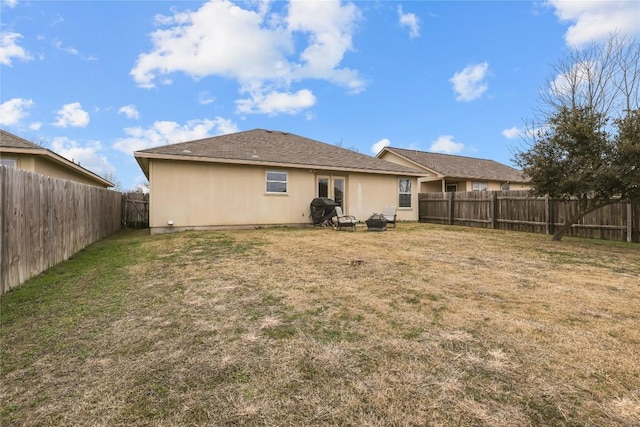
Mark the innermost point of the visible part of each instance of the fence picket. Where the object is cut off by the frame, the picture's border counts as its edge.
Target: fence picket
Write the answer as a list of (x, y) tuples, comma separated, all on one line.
[(45, 220), (519, 211)]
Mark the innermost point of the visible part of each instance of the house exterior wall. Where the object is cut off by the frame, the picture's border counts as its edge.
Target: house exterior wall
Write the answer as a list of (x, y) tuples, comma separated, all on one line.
[(23, 162), (368, 193), (44, 166), (200, 195), (431, 186), (467, 185), (394, 158), (491, 185)]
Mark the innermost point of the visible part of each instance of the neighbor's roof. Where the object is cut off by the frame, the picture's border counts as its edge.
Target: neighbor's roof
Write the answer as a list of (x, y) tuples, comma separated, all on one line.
[(10, 143), (459, 166), (272, 148)]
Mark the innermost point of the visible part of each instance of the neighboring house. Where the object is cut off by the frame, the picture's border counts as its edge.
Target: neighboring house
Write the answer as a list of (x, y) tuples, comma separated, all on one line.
[(446, 172), (21, 154), (262, 177)]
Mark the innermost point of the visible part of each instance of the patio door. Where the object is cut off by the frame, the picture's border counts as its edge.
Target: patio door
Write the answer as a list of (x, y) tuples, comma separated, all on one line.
[(332, 187)]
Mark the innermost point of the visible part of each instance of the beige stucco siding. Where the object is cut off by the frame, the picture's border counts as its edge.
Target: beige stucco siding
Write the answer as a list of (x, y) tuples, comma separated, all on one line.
[(201, 194), (368, 193), (467, 185), (394, 158), (491, 185), (46, 167), (193, 194), (23, 162), (431, 186), (43, 166)]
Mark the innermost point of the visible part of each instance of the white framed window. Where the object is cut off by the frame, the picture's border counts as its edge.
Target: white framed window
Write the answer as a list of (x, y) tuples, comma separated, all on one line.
[(276, 182), (10, 163), (480, 186), (404, 192), (505, 187)]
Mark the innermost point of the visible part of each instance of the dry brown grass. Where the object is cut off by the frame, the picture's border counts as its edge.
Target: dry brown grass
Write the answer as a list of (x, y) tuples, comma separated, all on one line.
[(421, 325)]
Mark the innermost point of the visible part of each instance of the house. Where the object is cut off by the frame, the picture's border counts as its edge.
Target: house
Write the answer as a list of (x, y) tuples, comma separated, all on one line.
[(446, 172), (21, 154), (263, 177)]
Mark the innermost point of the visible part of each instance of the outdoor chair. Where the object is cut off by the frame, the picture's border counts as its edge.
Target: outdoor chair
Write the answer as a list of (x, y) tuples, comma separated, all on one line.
[(345, 220), (389, 213)]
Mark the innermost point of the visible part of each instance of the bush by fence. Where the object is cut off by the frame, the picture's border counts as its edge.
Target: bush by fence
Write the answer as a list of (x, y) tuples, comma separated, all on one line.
[(45, 220), (519, 211)]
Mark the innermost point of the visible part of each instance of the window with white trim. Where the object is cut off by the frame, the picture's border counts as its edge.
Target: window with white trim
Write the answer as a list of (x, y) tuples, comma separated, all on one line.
[(404, 192), (276, 182), (480, 186), (10, 163)]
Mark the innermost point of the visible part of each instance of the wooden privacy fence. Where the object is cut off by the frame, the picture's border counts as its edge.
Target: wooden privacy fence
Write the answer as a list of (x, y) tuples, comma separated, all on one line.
[(135, 210), (519, 211), (45, 220)]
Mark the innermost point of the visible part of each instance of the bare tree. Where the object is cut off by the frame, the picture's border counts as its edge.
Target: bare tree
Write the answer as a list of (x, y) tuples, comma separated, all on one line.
[(603, 78), (111, 177), (583, 145)]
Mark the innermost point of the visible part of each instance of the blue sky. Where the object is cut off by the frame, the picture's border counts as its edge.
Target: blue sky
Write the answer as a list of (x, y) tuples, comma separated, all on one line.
[(96, 80)]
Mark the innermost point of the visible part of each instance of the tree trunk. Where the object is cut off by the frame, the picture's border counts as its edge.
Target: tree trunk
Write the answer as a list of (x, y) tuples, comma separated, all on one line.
[(560, 232), (588, 207)]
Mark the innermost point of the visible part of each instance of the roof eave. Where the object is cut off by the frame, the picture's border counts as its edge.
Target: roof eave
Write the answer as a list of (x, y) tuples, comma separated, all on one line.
[(485, 178), (143, 160), (60, 160)]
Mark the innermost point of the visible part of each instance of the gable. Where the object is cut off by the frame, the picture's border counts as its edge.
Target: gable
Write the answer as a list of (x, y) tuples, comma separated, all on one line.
[(447, 165)]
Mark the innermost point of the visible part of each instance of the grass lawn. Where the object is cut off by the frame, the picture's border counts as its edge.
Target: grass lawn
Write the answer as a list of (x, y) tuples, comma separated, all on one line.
[(421, 325)]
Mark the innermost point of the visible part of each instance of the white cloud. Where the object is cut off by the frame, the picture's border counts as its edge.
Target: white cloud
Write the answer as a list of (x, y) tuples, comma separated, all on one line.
[(260, 49), (130, 111), (72, 115), (14, 110), (512, 133), (68, 49), (576, 80), (470, 84), (378, 146), (205, 99), (409, 20), (328, 26), (277, 102), (446, 144), (167, 132), (10, 3), (596, 20), (9, 49), (88, 156)]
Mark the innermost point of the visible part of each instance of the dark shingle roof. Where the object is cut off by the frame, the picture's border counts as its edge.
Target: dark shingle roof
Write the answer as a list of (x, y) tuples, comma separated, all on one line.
[(10, 140), (460, 166), (261, 146)]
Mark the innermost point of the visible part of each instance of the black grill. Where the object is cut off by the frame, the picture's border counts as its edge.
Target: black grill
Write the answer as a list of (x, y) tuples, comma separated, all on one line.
[(322, 210)]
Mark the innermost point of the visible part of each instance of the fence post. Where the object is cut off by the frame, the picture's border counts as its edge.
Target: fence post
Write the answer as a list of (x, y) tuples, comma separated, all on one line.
[(451, 193), (547, 213), (629, 223), (636, 222), (494, 209)]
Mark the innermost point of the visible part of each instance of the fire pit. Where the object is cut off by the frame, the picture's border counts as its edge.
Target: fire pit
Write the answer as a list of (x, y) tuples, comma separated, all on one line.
[(376, 222)]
